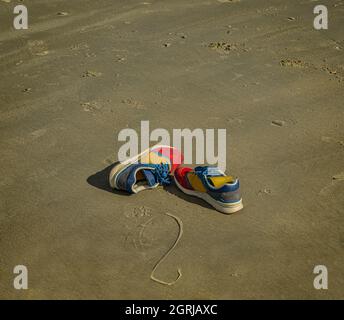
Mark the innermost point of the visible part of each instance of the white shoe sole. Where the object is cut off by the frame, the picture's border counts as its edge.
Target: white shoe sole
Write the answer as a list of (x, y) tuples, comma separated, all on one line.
[(226, 208), (122, 165)]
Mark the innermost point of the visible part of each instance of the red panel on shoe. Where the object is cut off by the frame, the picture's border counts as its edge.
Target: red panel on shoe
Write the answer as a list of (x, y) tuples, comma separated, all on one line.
[(175, 156), (181, 175)]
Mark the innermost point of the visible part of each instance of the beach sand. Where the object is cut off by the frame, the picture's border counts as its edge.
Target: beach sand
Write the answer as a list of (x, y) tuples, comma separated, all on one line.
[(84, 70)]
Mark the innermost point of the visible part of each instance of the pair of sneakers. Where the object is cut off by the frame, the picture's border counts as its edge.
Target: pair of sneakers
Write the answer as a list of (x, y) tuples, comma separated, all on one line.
[(157, 165)]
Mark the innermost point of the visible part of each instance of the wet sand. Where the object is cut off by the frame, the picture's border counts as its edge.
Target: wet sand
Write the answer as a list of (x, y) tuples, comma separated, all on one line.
[(87, 69)]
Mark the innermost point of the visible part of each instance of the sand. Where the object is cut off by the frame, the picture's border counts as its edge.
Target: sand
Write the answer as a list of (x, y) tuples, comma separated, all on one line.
[(87, 69)]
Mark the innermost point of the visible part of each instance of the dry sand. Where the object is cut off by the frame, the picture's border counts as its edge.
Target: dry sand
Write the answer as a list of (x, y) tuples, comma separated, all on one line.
[(257, 68)]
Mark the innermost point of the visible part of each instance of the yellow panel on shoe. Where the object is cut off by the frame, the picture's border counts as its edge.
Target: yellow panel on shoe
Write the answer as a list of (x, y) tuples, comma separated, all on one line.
[(196, 182), (221, 181)]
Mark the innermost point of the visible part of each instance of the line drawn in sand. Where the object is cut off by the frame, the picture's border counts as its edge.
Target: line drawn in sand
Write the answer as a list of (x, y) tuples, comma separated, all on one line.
[(163, 258)]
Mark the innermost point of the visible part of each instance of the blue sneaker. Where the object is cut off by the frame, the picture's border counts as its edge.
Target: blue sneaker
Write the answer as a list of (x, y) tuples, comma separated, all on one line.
[(212, 185), (138, 177), (146, 170)]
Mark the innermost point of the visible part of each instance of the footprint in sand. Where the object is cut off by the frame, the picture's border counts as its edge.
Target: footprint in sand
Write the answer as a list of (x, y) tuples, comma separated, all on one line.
[(333, 72), (138, 218), (79, 46), (134, 103), (91, 106), (225, 47), (295, 63), (298, 63), (37, 47), (91, 74), (138, 212)]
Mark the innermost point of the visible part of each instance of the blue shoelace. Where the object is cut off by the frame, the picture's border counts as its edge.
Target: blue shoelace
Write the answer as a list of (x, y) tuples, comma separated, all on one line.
[(162, 174)]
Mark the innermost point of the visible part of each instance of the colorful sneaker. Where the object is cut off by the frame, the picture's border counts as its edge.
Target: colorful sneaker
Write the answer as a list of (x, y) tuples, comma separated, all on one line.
[(212, 185), (146, 170)]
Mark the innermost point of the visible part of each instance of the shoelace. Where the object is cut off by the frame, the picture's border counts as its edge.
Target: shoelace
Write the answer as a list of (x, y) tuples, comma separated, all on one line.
[(162, 174)]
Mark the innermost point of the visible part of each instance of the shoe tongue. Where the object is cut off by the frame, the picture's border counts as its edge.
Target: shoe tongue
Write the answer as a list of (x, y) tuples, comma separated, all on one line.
[(149, 177)]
